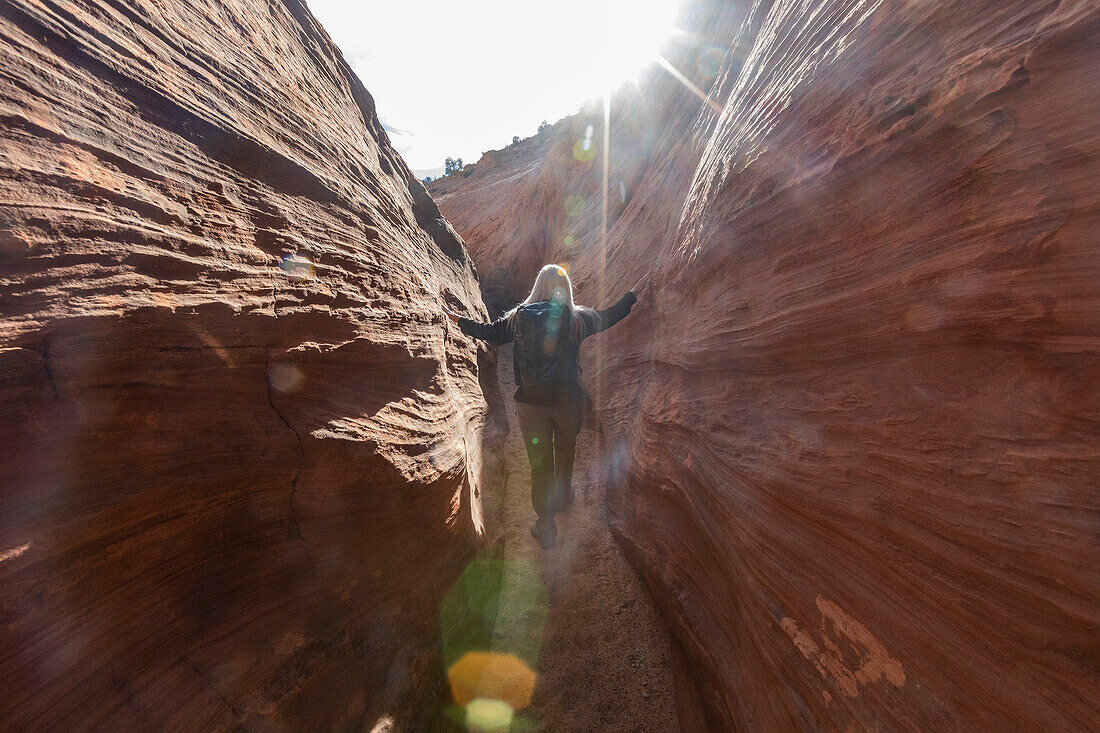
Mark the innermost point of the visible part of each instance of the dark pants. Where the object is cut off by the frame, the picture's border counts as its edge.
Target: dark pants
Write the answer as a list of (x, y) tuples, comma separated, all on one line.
[(550, 434)]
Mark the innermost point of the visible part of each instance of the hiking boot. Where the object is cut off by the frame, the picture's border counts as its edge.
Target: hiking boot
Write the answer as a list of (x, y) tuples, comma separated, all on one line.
[(544, 531)]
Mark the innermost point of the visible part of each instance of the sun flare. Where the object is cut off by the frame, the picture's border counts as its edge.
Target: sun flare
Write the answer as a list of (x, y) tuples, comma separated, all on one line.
[(631, 38), (457, 79)]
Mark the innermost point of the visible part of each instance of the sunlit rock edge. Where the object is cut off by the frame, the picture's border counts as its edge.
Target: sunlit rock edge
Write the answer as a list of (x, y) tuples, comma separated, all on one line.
[(244, 453)]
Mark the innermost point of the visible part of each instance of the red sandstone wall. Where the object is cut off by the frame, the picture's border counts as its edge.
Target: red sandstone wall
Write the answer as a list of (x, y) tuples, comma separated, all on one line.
[(858, 419), (234, 484)]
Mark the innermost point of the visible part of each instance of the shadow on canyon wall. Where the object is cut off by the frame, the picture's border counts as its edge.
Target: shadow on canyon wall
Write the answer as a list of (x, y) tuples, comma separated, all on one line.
[(245, 452)]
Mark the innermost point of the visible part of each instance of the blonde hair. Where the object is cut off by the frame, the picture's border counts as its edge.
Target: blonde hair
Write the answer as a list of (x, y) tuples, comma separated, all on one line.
[(552, 284)]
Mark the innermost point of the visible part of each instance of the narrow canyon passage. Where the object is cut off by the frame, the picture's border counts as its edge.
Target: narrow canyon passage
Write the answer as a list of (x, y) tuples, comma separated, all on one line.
[(859, 408), (603, 662)]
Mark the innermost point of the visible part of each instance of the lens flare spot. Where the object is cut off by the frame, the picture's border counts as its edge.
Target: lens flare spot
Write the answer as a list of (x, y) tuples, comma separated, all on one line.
[(568, 241), (534, 441), (285, 377), (491, 676), (925, 317), (485, 715), (710, 62), (574, 205), (583, 149), (500, 605), (297, 268)]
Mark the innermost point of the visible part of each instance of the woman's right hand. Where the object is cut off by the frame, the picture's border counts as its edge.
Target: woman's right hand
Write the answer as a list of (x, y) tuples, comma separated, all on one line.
[(642, 285)]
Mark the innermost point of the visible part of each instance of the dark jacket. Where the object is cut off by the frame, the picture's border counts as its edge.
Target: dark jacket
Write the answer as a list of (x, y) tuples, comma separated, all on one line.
[(591, 323)]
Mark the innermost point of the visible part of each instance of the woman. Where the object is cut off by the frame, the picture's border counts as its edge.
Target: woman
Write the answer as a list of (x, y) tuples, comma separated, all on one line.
[(548, 329)]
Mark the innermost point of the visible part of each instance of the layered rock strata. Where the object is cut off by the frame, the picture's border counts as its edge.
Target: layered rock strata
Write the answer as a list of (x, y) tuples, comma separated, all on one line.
[(857, 417), (243, 452)]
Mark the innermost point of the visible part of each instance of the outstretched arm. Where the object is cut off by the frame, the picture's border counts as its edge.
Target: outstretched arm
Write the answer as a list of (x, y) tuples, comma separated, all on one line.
[(608, 317), (496, 332)]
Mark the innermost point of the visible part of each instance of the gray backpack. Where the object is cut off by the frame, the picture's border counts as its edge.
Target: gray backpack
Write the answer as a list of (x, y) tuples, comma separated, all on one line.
[(541, 346)]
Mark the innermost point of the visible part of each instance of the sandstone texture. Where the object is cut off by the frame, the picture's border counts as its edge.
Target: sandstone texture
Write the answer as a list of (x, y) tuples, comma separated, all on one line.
[(243, 453), (857, 417)]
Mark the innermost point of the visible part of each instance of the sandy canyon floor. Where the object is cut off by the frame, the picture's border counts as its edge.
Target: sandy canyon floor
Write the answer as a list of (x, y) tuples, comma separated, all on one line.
[(603, 663)]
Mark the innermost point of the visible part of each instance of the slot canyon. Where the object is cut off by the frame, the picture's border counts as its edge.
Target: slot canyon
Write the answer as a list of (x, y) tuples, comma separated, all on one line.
[(849, 440)]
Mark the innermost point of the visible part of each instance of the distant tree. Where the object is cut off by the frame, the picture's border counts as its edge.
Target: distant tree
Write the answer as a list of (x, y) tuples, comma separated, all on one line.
[(515, 139), (458, 165), (426, 180), (543, 126), (448, 166)]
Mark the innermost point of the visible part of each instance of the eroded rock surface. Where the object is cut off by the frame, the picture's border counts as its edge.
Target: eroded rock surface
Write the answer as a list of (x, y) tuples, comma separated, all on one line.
[(242, 453), (858, 415)]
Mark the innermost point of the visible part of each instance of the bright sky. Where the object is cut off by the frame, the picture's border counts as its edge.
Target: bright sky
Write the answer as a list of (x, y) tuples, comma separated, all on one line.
[(459, 77)]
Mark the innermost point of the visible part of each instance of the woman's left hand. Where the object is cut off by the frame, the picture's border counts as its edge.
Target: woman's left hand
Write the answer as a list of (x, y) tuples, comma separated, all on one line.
[(642, 286), (450, 314)]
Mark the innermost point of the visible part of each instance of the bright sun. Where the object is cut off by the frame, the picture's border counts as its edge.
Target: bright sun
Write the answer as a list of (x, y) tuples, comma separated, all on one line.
[(629, 37), (458, 78)]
